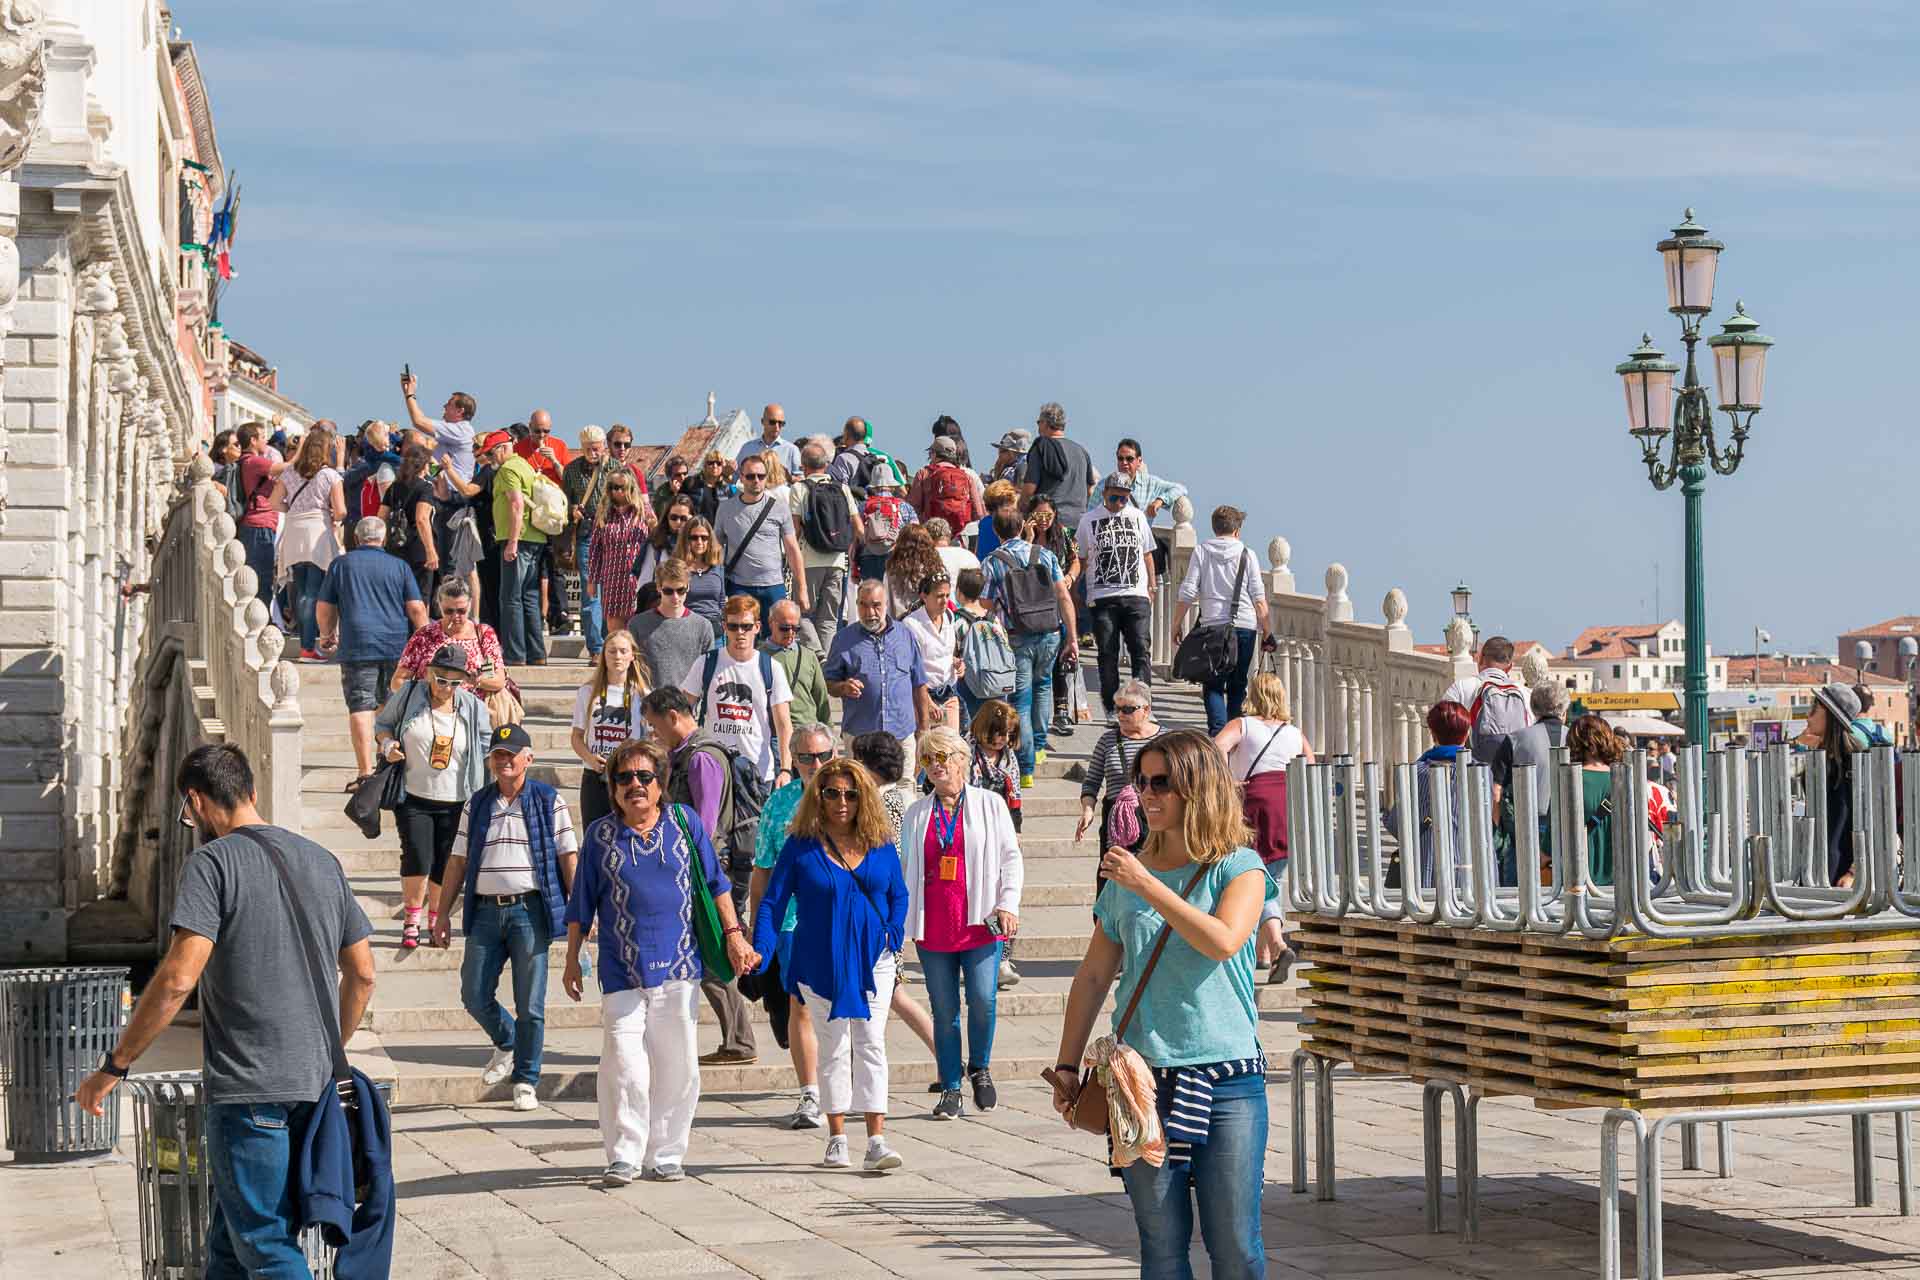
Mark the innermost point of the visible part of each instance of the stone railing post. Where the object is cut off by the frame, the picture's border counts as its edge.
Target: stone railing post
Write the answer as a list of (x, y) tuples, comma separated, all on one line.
[(1180, 542)]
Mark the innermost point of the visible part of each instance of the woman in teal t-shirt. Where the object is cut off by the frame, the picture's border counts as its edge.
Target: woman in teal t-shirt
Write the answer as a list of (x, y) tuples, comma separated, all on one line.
[(1197, 1024)]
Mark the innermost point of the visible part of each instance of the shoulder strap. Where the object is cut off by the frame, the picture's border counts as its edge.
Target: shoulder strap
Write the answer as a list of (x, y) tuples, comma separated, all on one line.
[(1146, 974), (706, 682), (1263, 752), (766, 509), (309, 948), (1239, 579), (766, 685)]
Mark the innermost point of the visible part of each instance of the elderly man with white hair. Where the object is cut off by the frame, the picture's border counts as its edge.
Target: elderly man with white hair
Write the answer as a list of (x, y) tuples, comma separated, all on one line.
[(960, 857), (584, 481), (368, 605)]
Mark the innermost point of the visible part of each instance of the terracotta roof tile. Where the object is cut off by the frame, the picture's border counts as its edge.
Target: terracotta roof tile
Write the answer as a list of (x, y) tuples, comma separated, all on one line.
[(1906, 624), (1742, 671)]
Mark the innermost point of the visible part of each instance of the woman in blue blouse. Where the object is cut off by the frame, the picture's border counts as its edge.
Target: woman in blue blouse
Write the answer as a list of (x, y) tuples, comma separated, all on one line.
[(634, 883), (841, 866), (1197, 1024)]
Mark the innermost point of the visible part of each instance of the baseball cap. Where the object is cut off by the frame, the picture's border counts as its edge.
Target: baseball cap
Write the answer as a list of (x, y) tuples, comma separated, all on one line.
[(494, 440), (943, 448), (1118, 482), (1014, 442), (450, 657), (509, 737)]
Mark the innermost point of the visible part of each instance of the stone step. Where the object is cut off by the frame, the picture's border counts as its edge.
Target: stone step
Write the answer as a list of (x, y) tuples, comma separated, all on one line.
[(443, 1067)]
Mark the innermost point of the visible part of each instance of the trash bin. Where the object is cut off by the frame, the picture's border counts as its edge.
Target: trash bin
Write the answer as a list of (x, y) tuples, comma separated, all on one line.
[(175, 1184), (55, 1025)]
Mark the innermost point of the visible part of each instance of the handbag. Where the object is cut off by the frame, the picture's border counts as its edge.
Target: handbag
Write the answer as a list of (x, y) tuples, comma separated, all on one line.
[(1090, 1100), (708, 932), (384, 788), (350, 1099), (1211, 652)]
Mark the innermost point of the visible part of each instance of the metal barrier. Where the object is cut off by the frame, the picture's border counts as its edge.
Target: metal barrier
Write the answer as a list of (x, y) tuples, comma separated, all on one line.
[(174, 1183), (55, 1025), (1739, 861)]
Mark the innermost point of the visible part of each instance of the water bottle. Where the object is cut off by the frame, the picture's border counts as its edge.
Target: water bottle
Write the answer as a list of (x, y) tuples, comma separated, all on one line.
[(586, 969)]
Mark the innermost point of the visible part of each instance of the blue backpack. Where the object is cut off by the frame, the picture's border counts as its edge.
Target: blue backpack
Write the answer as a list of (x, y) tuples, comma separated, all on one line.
[(988, 656)]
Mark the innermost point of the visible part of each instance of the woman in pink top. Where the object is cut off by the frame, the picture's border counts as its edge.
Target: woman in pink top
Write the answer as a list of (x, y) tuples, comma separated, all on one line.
[(960, 857)]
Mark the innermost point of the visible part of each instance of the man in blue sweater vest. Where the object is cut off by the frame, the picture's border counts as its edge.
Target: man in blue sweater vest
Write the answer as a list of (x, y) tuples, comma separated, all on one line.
[(512, 867)]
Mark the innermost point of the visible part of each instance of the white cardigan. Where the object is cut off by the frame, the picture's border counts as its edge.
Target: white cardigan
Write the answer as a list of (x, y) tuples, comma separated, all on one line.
[(995, 873)]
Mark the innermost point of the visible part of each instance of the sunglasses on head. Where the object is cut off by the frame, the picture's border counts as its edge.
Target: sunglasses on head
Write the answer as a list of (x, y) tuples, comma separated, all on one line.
[(645, 777), (1159, 784), (849, 794)]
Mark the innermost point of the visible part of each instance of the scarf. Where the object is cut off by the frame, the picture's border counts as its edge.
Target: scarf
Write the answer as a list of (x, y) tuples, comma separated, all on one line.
[(1185, 1101)]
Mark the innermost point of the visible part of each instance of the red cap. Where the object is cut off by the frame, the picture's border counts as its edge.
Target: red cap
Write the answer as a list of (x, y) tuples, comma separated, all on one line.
[(494, 440)]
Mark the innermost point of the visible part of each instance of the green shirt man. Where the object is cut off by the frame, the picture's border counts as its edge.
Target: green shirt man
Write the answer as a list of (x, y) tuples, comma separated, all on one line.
[(514, 476)]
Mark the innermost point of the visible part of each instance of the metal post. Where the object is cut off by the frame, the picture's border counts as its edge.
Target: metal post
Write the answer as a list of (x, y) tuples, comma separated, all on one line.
[(1323, 1128), (1693, 480), (1903, 1159), (1863, 1160), (1690, 1145), (1726, 1148), (1297, 1069), (1430, 1140)]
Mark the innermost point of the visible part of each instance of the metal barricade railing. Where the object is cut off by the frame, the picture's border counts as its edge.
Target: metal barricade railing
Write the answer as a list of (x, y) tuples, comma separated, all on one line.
[(174, 1181), (55, 1025)]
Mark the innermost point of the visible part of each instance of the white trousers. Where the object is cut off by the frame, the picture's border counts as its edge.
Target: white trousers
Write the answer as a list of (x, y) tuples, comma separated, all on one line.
[(649, 1074), (853, 1051)]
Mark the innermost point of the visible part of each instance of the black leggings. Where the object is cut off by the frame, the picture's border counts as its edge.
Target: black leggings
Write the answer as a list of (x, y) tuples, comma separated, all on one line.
[(594, 801), (427, 828)]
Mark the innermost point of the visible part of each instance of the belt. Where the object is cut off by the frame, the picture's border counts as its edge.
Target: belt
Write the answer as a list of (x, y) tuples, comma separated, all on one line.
[(506, 899)]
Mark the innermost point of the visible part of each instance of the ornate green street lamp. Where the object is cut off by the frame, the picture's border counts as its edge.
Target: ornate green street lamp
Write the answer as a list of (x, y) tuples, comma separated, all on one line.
[(1685, 421)]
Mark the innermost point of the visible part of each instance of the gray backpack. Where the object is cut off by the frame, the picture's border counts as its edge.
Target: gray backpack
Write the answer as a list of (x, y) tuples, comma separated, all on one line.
[(1499, 711)]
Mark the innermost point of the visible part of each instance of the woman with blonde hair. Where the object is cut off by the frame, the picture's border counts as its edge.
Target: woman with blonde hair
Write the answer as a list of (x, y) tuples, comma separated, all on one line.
[(1258, 746), (312, 496), (620, 537), (841, 866), (778, 477), (707, 585), (606, 713), (1191, 1014)]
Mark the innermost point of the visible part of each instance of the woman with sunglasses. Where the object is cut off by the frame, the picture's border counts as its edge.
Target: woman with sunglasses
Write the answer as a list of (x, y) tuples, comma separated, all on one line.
[(662, 538), (1114, 757), (439, 731), (619, 535), (634, 884), (938, 632), (455, 625), (841, 866), (961, 859), (1197, 1021), (707, 590), (709, 485), (606, 713)]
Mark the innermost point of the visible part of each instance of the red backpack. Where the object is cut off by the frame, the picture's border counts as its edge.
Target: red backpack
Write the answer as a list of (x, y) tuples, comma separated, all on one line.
[(949, 495)]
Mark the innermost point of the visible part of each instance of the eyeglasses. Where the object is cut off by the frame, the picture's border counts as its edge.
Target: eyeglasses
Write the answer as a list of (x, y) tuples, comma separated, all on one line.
[(699, 537), (673, 591), (1159, 784), (713, 465), (812, 757), (752, 475), (645, 777), (1128, 708), (936, 757), (448, 682), (678, 518), (743, 626), (1127, 457), (617, 445), (850, 795), (461, 612), (1113, 498), (773, 422), (186, 815), (784, 628)]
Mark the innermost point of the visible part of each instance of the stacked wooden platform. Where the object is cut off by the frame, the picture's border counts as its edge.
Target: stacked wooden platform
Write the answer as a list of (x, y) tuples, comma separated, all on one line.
[(1618, 1022)]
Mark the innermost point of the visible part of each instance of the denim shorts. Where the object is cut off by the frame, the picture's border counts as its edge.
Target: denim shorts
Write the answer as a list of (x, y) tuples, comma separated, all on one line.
[(365, 684)]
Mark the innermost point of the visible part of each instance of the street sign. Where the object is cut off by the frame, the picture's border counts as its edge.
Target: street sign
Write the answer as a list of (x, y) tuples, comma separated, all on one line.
[(1629, 701)]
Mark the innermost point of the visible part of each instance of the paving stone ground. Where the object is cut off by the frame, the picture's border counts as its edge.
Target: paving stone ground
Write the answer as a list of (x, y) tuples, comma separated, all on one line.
[(486, 1191)]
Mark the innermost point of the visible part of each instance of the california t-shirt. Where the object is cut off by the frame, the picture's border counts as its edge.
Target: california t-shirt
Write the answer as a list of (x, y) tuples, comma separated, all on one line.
[(607, 721), (739, 712)]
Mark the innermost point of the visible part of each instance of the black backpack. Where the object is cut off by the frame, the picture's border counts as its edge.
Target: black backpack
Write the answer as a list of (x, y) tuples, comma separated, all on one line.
[(827, 521), (1026, 594)]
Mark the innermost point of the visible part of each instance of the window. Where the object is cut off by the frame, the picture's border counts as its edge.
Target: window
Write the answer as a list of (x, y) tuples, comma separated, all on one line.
[(1644, 682), (1616, 666)]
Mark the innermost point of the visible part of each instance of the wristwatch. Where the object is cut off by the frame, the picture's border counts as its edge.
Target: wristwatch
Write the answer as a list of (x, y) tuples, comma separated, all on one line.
[(106, 1065)]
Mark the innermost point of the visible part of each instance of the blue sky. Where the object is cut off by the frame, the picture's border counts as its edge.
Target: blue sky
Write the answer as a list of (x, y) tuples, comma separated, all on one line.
[(1364, 270)]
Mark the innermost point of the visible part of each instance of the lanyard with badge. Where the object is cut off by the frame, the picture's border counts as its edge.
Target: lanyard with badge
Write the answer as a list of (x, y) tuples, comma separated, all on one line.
[(945, 827), (440, 755)]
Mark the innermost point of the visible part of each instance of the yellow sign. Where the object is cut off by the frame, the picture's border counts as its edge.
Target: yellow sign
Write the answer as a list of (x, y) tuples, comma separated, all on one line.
[(1628, 701)]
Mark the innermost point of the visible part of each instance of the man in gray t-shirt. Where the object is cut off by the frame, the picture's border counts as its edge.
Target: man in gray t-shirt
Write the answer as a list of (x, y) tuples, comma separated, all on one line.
[(756, 530), (268, 1054), (670, 636)]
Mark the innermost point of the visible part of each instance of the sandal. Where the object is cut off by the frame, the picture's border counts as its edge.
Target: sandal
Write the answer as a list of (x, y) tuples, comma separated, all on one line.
[(410, 931)]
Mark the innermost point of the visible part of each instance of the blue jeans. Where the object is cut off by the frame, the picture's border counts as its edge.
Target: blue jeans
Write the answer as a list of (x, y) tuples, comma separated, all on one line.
[(1224, 1178), (944, 971), (259, 548), (523, 630), (593, 627), (306, 589), (518, 932), (251, 1150), (767, 596), (1033, 658), (1226, 696)]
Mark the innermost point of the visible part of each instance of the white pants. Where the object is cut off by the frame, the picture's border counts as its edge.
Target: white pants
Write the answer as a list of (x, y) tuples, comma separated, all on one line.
[(649, 1074), (853, 1051)]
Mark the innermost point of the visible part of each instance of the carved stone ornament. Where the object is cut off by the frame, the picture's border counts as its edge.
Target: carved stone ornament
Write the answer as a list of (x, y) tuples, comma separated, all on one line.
[(1279, 554), (1534, 669), (97, 291), (1459, 638), (1394, 607), (23, 79), (285, 681), (200, 467), (1336, 582), (271, 644), (113, 338), (1183, 510)]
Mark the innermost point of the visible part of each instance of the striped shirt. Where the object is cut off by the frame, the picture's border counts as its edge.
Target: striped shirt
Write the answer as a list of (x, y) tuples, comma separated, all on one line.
[(1185, 1101), (506, 861), (1111, 767)]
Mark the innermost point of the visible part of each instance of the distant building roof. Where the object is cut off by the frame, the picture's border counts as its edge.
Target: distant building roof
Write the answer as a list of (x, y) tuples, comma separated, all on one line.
[(1614, 642), (1906, 624), (1772, 671)]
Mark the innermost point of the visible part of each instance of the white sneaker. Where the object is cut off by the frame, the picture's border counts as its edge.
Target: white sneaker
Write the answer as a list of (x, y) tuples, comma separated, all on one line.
[(807, 1114), (498, 1067), (524, 1098), (837, 1157), (1009, 976), (882, 1158)]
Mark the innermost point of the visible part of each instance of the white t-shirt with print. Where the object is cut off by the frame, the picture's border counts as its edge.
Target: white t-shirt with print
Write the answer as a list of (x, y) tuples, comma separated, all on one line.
[(739, 711), (607, 721), (424, 782), (1114, 546)]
